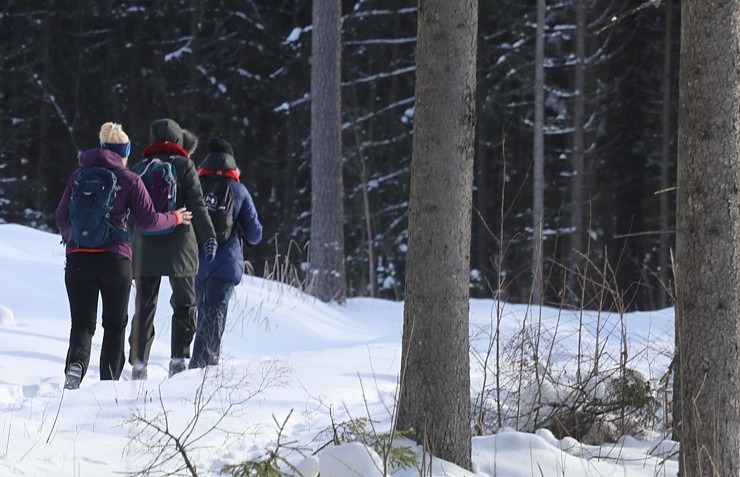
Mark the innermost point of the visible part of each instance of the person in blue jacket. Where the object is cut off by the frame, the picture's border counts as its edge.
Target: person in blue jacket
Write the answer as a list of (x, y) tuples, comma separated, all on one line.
[(216, 280)]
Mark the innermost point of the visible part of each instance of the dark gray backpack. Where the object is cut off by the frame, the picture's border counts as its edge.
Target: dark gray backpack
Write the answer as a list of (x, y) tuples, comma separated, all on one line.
[(219, 199)]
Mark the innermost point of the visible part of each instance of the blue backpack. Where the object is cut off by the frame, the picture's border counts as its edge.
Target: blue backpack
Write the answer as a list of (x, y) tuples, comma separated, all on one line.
[(160, 179), (89, 208)]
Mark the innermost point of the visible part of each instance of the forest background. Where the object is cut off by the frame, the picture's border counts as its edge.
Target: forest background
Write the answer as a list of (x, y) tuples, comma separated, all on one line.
[(241, 70)]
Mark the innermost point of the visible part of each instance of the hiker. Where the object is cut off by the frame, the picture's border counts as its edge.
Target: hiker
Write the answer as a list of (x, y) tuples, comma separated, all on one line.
[(99, 251), (173, 254), (223, 194)]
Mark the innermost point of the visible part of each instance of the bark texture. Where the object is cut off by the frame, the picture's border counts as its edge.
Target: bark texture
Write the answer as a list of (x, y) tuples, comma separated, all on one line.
[(435, 380), (708, 239), (538, 154), (327, 188)]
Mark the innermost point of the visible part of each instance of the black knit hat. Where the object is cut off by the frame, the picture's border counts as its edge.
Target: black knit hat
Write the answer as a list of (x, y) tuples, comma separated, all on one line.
[(217, 144)]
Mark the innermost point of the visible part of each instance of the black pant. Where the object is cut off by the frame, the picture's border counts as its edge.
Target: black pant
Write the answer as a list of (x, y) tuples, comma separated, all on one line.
[(212, 295), (86, 276), (183, 317)]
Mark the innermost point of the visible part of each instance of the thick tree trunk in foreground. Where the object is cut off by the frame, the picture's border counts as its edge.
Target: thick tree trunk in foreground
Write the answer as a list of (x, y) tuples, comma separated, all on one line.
[(708, 239), (435, 375)]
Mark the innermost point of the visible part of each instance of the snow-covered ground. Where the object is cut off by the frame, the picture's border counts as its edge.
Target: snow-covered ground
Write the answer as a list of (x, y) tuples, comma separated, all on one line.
[(291, 367)]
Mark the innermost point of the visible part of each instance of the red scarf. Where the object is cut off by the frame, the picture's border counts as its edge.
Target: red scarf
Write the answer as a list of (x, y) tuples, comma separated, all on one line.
[(165, 147), (229, 173)]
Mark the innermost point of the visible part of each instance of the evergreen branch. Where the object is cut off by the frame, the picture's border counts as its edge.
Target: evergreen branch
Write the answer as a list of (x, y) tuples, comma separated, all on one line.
[(618, 18)]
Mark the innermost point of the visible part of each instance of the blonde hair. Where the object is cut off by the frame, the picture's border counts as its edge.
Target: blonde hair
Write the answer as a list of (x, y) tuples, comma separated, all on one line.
[(112, 133)]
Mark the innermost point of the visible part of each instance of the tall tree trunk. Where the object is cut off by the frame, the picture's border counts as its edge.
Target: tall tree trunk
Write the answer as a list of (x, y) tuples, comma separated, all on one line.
[(371, 287), (393, 95), (482, 248), (194, 103), (665, 158), (707, 247), (288, 184), (538, 154), (482, 240), (327, 194), (576, 189), (435, 376), (663, 258), (41, 187)]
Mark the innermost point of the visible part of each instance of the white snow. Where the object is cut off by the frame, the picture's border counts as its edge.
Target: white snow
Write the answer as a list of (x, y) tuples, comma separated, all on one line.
[(291, 366), (295, 33), (7, 318)]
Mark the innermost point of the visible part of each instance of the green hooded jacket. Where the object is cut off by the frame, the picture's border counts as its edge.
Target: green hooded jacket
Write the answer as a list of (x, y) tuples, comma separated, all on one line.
[(174, 254)]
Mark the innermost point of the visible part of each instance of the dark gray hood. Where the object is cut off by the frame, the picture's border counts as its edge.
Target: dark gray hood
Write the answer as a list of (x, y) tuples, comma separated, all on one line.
[(165, 130)]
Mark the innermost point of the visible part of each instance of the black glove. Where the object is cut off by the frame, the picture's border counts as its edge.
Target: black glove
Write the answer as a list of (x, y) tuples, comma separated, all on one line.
[(209, 248)]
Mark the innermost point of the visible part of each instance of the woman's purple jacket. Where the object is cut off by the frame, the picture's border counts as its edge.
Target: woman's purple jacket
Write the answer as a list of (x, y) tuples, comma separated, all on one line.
[(131, 196)]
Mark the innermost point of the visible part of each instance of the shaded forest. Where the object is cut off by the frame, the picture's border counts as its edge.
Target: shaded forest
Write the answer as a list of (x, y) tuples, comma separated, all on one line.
[(241, 70)]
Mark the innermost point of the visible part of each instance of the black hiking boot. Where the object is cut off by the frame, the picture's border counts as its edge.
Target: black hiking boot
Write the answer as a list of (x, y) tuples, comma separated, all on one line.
[(177, 365), (73, 377)]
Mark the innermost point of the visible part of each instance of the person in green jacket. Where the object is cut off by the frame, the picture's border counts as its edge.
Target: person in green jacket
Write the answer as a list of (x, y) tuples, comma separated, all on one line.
[(174, 255)]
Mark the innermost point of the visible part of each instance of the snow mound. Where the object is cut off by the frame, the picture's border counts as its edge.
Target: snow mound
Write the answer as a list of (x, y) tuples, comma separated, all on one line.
[(349, 459), (6, 316)]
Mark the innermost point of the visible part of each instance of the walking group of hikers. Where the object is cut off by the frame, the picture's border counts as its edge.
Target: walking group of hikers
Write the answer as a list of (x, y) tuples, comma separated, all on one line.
[(162, 217)]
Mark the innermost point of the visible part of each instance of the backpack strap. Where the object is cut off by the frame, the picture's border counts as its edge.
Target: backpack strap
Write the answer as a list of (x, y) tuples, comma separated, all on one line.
[(148, 162)]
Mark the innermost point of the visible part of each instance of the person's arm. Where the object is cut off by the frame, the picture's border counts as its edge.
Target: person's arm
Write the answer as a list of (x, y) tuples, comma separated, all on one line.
[(146, 217), (61, 215), (248, 219)]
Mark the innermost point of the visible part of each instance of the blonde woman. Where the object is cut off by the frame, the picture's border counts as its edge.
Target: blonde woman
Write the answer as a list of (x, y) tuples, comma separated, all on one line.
[(99, 255)]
